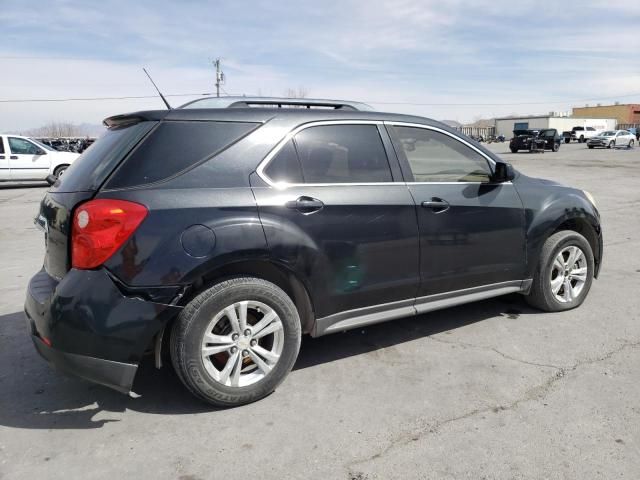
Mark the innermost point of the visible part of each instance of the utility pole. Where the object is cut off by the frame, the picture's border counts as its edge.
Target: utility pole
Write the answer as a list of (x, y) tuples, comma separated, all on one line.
[(219, 76)]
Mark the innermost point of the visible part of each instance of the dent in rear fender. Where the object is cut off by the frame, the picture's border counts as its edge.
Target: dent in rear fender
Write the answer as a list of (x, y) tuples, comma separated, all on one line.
[(156, 253), (549, 207), (88, 315)]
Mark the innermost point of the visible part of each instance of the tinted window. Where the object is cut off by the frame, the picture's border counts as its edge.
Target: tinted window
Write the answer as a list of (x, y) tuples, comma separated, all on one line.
[(94, 165), (436, 157), (285, 167), (342, 154), (1, 146), (174, 147), (591, 129), (20, 146)]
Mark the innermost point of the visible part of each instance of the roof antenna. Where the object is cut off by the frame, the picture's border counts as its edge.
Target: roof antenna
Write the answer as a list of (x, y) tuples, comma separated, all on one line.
[(159, 92)]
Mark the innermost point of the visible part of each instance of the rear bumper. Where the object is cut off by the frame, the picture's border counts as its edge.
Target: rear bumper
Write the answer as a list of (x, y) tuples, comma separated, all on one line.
[(86, 326), (116, 375)]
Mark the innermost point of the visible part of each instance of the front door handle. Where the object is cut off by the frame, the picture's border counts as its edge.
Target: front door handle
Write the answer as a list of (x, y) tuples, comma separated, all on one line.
[(13, 157), (1, 157), (436, 204), (305, 205)]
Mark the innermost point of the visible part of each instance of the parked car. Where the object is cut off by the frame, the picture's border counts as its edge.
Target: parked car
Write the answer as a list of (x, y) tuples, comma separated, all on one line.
[(612, 138), (26, 159), (221, 236), (545, 139), (580, 134)]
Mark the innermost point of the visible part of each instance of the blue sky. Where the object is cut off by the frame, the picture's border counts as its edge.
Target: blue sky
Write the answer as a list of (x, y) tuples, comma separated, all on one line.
[(445, 60)]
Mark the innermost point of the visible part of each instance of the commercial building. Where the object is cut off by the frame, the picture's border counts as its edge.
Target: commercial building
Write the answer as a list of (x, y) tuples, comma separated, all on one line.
[(506, 125), (625, 114)]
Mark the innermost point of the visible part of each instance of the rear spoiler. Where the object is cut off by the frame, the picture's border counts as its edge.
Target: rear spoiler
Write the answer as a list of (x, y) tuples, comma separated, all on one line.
[(133, 118)]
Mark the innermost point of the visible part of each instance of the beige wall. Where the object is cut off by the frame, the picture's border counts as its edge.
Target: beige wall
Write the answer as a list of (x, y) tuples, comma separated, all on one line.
[(622, 113)]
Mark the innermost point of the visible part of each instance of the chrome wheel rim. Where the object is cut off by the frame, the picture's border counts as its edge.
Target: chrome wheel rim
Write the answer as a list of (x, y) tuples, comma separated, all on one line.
[(568, 274), (242, 343)]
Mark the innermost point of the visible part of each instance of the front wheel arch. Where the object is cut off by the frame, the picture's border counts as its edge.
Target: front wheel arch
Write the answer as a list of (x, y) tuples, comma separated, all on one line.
[(60, 168), (584, 228)]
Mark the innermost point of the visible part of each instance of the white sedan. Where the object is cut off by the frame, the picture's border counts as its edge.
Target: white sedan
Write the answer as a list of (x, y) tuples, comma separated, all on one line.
[(25, 159), (612, 139)]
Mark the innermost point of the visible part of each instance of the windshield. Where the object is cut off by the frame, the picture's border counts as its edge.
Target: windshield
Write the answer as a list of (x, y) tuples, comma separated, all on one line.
[(608, 133), (43, 145)]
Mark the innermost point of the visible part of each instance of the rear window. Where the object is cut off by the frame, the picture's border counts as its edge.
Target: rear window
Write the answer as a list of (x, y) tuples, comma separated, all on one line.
[(174, 147), (96, 163)]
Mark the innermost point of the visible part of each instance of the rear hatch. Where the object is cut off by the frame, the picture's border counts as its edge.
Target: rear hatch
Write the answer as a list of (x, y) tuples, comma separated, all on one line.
[(80, 183)]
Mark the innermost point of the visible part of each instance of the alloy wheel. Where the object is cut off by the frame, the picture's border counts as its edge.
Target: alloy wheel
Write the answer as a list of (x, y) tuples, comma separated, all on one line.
[(568, 274), (242, 343)]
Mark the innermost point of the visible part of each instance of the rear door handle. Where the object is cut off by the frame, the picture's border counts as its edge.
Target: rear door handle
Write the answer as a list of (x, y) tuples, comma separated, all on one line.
[(436, 204), (1, 157), (305, 205), (13, 157)]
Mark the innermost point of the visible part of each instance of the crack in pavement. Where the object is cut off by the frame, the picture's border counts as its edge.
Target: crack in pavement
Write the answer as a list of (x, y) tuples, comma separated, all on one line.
[(495, 350), (533, 393)]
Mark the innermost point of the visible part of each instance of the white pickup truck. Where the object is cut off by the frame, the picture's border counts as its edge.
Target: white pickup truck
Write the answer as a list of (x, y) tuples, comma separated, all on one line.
[(25, 159), (581, 134)]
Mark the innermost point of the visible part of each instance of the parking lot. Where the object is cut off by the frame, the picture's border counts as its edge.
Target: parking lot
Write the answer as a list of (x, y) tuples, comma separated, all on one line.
[(491, 390)]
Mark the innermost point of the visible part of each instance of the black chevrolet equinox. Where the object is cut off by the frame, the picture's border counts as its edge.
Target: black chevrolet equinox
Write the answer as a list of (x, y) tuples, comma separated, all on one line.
[(218, 233)]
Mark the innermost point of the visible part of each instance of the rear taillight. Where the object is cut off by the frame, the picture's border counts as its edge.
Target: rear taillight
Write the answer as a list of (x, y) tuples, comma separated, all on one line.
[(100, 228)]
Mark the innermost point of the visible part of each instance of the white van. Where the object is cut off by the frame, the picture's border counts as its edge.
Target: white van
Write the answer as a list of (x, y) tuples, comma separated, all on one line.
[(23, 158)]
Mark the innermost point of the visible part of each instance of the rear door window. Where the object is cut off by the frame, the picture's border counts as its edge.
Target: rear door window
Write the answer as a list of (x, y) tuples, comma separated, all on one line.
[(342, 154), (174, 147)]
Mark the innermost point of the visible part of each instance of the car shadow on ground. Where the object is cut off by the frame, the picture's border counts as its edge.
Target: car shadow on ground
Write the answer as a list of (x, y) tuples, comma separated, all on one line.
[(32, 396), (15, 185)]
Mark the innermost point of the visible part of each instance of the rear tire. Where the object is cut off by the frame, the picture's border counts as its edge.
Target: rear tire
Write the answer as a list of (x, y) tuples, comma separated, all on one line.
[(562, 282), (630, 143), (590, 146), (514, 150), (567, 140), (218, 346), (581, 139)]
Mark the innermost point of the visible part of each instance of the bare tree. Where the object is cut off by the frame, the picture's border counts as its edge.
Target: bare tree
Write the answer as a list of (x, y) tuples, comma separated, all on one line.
[(57, 129), (300, 92)]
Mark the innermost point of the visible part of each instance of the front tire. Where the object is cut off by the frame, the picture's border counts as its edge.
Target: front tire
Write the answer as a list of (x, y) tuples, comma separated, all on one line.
[(59, 171), (514, 150), (612, 144), (556, 147), (564, 274), (630, 143), (235, 343)]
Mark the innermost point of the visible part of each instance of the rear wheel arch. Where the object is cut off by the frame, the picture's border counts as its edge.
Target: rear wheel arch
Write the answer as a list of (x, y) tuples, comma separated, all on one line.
[(265, 270)]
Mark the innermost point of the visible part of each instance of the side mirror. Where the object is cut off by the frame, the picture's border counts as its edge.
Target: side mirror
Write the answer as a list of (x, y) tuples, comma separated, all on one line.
[(504, 172), (41, 152)]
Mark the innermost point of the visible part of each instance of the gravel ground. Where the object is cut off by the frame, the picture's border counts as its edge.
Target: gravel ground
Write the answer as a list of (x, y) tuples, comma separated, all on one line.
[(492, 390)]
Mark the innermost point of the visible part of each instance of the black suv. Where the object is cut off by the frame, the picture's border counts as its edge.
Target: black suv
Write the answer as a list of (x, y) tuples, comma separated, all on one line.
[(532, 140), (219, 236)]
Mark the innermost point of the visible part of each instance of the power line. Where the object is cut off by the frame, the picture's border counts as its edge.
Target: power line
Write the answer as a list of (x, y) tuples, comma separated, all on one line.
[(375, 102), (88, 99)]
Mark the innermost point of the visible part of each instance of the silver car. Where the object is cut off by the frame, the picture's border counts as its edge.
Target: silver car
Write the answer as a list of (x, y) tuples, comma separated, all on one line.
[(612, 139)]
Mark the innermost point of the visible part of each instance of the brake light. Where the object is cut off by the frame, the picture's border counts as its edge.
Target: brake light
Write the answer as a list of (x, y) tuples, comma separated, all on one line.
[(100, 228)]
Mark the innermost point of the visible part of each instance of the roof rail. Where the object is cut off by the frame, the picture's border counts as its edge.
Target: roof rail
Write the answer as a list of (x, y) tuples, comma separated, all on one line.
[(274, 102)]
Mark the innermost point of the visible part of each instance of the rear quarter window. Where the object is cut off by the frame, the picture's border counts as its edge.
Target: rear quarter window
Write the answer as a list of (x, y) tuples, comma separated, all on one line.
[(175, 146), (95, 164)]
